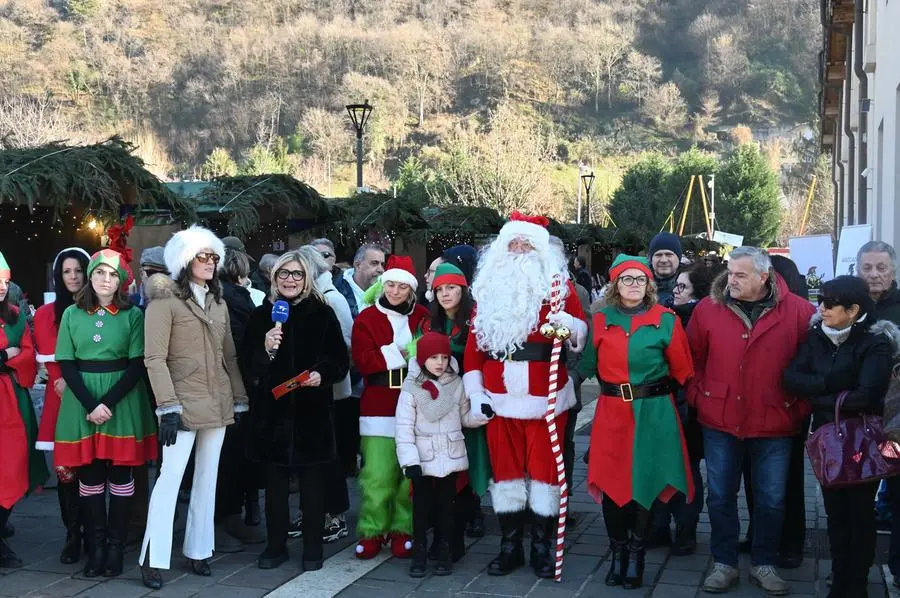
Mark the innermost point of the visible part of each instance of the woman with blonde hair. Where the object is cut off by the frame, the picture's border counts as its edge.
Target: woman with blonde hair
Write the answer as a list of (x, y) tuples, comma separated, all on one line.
[(294, 430)]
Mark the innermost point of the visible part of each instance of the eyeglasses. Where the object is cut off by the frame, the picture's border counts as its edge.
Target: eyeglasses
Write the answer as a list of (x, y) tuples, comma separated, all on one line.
[(326, 254), (630, 281), (679, 288), (295, 274), (204, 258)]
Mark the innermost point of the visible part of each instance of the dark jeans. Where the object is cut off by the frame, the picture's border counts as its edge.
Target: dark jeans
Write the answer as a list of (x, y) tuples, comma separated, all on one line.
[(231, 484), (769, 464), (312, 503), (851, 534), (685, 513), (433, 503), (346, 431), (337, 496), (793, 532)]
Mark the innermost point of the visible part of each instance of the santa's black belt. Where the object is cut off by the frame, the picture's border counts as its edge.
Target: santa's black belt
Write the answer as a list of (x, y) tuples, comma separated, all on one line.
[(630, 392), (536, 352), (101, 366), (391, 378)]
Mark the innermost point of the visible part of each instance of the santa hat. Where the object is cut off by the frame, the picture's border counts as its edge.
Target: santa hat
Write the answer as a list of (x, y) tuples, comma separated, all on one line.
[(400, 269), (532, 228), (186, 244), (624, 262), (431, 344), (448, 274), (5, 272), (113, 259)]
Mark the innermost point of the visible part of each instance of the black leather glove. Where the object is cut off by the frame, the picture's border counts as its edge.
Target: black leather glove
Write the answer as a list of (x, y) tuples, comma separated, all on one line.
[(488, 411), (169, 424), (239, 416), (413, 472)]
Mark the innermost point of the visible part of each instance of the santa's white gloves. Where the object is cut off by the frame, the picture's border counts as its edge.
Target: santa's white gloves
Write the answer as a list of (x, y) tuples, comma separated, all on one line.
[(575, 325), (482, 406)]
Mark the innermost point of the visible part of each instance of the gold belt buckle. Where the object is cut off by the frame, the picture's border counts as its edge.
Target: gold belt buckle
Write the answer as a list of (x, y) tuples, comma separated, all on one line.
[(630, 396), (396, 385)]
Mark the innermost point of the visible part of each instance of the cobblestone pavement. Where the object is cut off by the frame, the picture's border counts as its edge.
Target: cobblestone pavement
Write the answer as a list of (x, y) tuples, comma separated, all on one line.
[(39, 535)]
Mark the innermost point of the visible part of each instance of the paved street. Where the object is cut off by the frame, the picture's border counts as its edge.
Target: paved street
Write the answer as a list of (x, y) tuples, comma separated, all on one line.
[(39, 535)]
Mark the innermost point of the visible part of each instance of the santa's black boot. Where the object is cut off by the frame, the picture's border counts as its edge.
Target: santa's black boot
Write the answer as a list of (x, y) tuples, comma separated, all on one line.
[(512, 555), (543, 543)]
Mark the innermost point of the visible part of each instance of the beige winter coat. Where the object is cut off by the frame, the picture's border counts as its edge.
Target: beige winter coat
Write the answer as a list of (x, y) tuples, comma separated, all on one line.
[(436, 443), (190, 357)]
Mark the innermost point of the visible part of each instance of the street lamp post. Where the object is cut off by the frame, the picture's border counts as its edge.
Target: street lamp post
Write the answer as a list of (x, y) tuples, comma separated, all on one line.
[(712, 203), (588, 181), (359, 114)]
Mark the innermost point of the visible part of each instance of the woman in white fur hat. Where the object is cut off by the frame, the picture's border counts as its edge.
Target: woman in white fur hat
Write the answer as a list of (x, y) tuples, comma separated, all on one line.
[(192, 365)]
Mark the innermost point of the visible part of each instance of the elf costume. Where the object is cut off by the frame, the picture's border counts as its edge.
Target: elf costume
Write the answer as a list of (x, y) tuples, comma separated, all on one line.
[(23, 468), (380, 334), (101, 355), (638, 452)]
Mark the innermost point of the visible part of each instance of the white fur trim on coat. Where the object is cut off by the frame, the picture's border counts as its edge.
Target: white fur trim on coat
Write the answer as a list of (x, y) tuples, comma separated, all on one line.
[(185, 244), (509, 496), (400, 275), (43, 445), (161, 411), (392, 357), (543, 499), (241, 407), (377, 426), (41, 358), (473, 382), (528, 406)]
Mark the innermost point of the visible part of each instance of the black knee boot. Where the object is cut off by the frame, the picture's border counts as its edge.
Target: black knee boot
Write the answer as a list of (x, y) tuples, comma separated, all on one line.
[(634, 572), (512, 555), (116, 534), (616, 520), (8, 558), (69, 509), (543, 546), (93, 511)]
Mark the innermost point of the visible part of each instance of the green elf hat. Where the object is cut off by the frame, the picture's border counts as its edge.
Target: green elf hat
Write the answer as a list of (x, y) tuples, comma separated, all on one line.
[(111, 258), (624, 262), (447, 273), (5, 272)]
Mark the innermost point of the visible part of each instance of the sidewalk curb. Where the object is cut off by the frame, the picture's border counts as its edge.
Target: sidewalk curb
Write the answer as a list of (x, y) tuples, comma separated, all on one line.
[(338, 572)]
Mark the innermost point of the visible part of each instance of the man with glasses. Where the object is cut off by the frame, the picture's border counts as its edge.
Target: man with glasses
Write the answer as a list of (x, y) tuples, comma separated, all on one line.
[(326, 249), (742, 337)]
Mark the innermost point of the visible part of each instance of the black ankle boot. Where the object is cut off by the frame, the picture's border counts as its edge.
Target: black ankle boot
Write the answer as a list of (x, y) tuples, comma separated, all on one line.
[(8, 558), (685, 540), (543, 543), (116, 534), (618, 562), (512, 555), (633, 577), (71, 516), (93, 510), (444, 565), (419, 566)]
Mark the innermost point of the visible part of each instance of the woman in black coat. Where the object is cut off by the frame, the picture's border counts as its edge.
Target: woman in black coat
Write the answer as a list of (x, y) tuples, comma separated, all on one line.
[(847, 350), (296, 432)]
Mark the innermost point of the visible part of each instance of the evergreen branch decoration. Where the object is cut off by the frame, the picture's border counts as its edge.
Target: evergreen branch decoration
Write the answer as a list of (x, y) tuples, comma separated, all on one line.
[(243, 198), (100, 177)]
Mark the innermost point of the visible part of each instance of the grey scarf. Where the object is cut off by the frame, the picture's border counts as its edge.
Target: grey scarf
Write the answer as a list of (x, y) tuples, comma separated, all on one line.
[(450, 393)]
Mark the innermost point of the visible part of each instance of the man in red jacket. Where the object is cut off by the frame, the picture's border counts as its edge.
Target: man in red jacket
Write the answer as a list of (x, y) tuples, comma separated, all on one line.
[(742, 337)]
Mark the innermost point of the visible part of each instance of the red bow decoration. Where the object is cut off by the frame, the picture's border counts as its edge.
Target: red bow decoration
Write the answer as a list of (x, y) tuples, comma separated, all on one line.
[(520, 217), (118, 241), (431, 388)]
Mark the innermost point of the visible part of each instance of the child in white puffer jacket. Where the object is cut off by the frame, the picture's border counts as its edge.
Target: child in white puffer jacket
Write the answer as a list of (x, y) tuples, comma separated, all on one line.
[(431, 449)]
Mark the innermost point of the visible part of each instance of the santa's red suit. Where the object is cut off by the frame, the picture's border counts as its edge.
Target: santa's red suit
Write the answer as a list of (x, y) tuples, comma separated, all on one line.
[(515, 383)]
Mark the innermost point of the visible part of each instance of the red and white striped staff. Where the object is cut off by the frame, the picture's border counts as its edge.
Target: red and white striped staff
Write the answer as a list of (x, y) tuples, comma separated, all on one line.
[(550, 418)]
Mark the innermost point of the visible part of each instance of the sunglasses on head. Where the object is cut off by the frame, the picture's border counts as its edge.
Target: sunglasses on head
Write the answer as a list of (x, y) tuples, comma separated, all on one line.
[(204, 258), (326, 254)]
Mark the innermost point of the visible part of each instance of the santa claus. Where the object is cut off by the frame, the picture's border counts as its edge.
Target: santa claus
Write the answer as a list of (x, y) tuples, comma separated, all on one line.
[(508, 377)]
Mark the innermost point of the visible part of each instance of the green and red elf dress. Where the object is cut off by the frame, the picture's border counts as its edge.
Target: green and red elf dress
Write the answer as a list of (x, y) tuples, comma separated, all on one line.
[(106, 348), (380, 333), (638, 451), (23, 467)]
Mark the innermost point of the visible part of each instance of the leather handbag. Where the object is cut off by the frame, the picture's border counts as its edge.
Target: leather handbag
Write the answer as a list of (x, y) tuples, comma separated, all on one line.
[(852, 450)]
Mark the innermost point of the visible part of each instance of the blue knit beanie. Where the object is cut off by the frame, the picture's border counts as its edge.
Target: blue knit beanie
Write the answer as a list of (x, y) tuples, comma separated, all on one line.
[(665, 241)]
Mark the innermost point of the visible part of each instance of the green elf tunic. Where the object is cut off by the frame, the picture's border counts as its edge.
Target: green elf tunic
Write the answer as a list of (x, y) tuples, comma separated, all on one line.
[(23, 467), (100, 343), (637, 447)]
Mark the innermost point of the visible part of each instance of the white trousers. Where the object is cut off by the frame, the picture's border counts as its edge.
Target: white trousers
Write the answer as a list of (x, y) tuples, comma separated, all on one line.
[(199, 536)]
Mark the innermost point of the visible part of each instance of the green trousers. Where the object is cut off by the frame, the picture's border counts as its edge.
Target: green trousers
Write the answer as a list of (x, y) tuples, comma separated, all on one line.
[(386, 505)]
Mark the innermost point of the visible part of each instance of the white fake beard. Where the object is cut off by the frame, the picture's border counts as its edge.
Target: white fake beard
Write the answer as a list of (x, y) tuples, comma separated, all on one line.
[(508, 291)]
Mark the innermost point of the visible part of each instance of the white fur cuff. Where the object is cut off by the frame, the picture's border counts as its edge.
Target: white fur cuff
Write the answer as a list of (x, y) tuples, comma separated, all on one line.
[(473, 382), (161, 411), (543, 499), (509, 496), (41, 358), (241, 407), (393, 358)]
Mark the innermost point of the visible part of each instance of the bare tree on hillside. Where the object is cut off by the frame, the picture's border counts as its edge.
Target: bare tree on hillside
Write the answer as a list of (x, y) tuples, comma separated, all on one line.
[(641, 75), (28, 122), (603, 52), (666, 108), (328, 137)]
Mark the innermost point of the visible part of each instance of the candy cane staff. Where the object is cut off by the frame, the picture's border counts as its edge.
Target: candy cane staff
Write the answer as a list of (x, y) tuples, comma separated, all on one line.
[(508, 373), (192, 365)]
